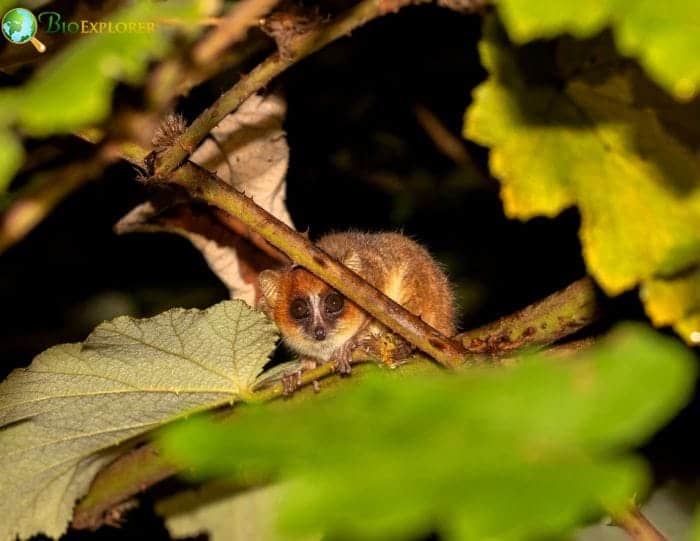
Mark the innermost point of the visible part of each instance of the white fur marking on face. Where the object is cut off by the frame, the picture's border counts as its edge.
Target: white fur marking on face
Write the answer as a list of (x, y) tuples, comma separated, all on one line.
[(315, 301)]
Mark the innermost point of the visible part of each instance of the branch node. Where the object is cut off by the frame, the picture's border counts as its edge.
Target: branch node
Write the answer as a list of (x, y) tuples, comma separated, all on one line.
[(290, 24), (169, 132)]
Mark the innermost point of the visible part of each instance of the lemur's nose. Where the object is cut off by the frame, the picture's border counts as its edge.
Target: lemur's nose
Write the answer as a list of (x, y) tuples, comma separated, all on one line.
[(319, 333)]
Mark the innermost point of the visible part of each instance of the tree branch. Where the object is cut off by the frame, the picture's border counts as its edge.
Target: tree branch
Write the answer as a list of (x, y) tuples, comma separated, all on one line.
[(144, 466), (128, 475), (303, 46), (448, 143), (540, 324), (202, 185)]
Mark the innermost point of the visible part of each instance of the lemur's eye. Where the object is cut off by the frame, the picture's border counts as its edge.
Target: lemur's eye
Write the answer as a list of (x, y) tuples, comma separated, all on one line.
[(299, 309), (334, 303)]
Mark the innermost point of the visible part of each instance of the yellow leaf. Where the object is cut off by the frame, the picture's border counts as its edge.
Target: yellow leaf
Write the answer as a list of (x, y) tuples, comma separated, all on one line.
[(582, 133), (675, 302), (663, 36)]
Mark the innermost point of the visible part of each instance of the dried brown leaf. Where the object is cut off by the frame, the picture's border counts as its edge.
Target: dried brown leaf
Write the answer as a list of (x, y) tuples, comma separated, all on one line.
[(248, 149)]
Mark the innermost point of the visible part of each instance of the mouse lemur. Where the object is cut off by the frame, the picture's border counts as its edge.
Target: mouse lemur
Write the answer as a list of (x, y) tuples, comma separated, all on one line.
[(321, 325)]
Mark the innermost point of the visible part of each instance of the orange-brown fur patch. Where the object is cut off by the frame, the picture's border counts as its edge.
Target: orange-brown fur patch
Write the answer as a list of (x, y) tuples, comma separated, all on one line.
[(299, 282), (393, 263)]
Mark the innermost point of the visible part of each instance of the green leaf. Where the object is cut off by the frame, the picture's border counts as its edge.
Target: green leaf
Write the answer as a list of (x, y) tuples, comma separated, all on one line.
[(695, 526), (75, 89), (128, 377), (572, 124), (11, 158), (501, 453), (29, 4), (662, 35), (225, 514)]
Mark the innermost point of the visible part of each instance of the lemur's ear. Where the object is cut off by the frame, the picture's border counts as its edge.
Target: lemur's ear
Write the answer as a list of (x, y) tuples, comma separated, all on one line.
[(270, 285), (353, 262)]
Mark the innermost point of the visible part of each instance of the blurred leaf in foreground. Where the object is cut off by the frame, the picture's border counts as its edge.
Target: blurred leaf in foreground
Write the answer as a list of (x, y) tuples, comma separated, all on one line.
[(11, 157), (675, 301), (128, 377), (695, 528), (662, 35), (572, 124), (225, 514), (509, 453)]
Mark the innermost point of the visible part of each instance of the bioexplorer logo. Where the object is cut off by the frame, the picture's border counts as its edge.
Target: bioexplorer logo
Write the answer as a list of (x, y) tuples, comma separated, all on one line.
[(19, 26), (53, 23)]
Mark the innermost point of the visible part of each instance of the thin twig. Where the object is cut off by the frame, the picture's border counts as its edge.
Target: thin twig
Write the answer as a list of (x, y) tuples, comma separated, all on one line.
[(637, 526), (44, 192), (275, 64), (444, 140), (233, 28), (175, 77), (239, 228)]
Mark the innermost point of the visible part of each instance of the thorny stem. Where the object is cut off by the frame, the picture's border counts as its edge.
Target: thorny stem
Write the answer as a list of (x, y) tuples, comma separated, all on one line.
[(637, 526), (211, 55), (205, 186), (275, 64), (542, 323)]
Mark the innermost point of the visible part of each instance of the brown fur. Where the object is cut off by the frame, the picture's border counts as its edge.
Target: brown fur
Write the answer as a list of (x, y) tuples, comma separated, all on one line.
[(399, 267)]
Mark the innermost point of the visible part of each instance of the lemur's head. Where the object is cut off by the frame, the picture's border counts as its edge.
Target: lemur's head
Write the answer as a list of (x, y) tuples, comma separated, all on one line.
[(314, 318)]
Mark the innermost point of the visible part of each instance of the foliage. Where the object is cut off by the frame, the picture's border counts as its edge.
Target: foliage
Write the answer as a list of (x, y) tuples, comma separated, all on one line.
[(662, 35), (695, 529), (512, 453), (571, 123), (128, 377), (11, 157), (74, 89), (226, 514)]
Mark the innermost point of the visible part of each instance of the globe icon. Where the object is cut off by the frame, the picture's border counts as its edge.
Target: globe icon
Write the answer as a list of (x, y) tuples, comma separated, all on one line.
[(19, 25)]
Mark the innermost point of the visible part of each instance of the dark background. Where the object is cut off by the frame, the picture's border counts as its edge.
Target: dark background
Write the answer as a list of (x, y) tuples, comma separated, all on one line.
[(351, 125)]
